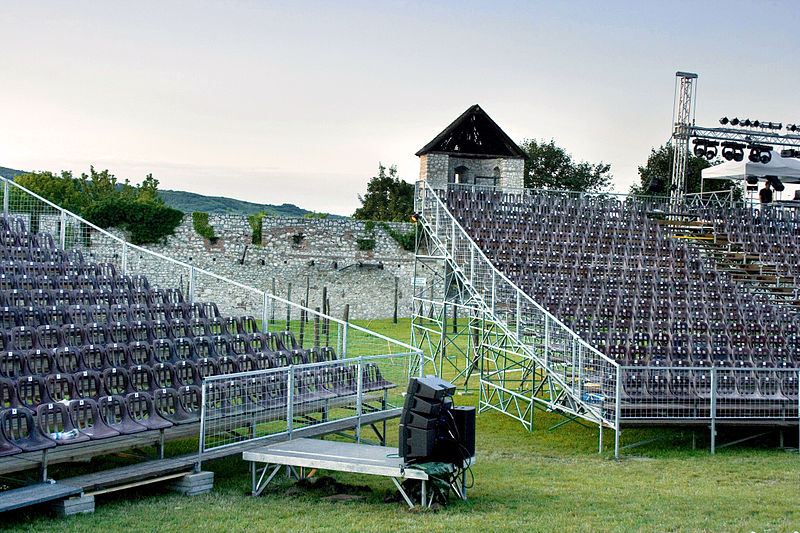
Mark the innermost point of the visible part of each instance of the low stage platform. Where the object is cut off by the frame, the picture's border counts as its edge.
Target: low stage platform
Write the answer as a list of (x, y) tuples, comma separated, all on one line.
[(341, 457)]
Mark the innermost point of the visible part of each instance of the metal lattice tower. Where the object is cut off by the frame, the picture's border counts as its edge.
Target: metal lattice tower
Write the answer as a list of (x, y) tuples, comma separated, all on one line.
[(683, 121)]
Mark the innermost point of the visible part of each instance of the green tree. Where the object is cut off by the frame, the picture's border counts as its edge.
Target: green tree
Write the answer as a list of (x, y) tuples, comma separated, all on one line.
[(655, 175), (102, 200), (388, 198), (548, 166)]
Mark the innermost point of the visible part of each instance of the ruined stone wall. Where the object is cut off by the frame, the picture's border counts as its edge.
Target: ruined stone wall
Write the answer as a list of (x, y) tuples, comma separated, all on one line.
[(302, 252)]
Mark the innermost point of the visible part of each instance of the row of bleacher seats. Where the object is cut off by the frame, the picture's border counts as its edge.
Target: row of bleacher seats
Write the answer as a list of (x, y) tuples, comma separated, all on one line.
[(90, 354), (609, 270)]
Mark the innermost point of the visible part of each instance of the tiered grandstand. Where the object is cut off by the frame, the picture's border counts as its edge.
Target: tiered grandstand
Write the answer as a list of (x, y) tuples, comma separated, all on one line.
[(97, 358), (691, 312)]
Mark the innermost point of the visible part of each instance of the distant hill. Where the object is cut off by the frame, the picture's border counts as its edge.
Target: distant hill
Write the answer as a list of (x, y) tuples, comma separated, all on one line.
[(9, 173), (189, 201)]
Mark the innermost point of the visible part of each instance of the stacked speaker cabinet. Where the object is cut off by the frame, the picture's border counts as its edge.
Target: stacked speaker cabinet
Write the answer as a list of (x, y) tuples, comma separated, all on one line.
[(431, 428)]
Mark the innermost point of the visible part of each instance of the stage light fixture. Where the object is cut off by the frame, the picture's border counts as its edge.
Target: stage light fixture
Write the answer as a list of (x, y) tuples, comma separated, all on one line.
[(711, 149), (791, 127), (754, 156), (724, 120), (776, 125), (756, 123), (790, 152), (735, 121), (747, 123), (733, 151), (699, 147)]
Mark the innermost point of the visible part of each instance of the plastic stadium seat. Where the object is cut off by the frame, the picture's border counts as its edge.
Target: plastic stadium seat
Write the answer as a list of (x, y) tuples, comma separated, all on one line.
[(207, 366), (178, 328), (73, 335), (159, 329), (49, 336), (163, 350), (32, 391), (88, 384), (117, 354), (85, 415), (40, 362), (140, 353), (169, 405), (19, 428), (114, 412), (140, 406), (13, 364), (60, 387), (141, 378), (8, 393), (54, 420), (116, 380), (164, 376), (23, 338), (184, 348), (186, 373), (67, 359)]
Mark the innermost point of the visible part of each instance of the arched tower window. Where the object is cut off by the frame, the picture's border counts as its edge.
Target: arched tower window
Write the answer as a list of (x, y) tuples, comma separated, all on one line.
[(459, 174)]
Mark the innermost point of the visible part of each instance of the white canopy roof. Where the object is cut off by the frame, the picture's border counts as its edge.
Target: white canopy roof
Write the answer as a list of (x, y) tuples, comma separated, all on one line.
[(786, 168)]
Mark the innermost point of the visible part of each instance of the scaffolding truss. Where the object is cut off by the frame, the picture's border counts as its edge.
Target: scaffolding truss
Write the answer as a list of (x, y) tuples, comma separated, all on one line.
[(468, 319)]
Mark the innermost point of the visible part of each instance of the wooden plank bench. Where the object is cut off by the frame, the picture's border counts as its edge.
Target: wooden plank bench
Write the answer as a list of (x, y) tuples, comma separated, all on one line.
[(35, 494)]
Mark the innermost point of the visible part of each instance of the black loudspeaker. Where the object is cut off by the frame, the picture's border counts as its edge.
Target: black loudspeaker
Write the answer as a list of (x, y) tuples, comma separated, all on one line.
[(464, 418), (430, 388), (416, 443), (425, 418), (752, 180), (776, 183)]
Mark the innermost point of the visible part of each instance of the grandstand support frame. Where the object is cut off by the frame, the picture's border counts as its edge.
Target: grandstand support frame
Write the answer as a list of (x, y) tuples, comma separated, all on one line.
[(527, 358)]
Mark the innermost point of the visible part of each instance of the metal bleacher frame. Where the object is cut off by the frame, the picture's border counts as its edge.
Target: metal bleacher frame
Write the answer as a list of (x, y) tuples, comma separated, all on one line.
[(498, 337), (374, 358)]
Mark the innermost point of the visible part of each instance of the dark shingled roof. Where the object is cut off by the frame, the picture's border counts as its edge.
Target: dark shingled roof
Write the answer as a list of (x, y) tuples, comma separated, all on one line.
[(474, 133)]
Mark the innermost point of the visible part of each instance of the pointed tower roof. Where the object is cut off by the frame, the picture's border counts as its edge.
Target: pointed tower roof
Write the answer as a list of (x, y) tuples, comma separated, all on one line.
[(474, 134)]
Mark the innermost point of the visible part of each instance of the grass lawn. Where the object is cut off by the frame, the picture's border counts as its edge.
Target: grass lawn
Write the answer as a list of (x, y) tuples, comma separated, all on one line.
[(524, 481)]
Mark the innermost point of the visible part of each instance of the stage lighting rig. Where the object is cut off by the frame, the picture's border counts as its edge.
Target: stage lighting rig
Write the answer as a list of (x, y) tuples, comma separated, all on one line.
[(790, 152), (792, 127)]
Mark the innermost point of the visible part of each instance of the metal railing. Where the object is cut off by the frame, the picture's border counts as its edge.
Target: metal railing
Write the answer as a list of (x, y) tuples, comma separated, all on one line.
[(588, 376), (252, 406)]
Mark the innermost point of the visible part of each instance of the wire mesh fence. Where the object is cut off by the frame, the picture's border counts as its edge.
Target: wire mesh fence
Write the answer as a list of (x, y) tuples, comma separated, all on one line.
[(706, 393), (250, 406)]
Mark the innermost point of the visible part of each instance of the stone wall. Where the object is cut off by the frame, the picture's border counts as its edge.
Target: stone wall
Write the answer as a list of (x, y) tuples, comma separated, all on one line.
[(297, 251)]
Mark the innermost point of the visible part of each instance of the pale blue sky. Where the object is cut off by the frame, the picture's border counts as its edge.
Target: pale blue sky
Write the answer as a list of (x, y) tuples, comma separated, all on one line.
[(298, 101)]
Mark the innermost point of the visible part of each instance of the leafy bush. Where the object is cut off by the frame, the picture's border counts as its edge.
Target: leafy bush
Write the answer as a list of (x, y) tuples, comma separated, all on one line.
[(406, 240), (200, 222), (365, 244), (100, 199), (147, 222)]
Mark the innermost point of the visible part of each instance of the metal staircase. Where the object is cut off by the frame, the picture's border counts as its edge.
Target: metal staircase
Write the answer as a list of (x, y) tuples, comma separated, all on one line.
[(526, 358)]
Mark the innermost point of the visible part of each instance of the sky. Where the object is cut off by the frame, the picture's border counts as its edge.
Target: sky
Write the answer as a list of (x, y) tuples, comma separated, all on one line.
[(298, 102)]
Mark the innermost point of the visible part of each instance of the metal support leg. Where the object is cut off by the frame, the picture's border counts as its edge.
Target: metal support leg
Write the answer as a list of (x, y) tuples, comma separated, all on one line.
[(424, 494), (403, 492), (600, 451)]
